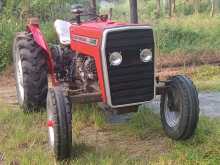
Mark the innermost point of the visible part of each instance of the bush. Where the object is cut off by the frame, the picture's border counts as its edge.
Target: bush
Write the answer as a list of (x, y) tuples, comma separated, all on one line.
[(8, 27), (183, 34), (188, 35), (13, 19)]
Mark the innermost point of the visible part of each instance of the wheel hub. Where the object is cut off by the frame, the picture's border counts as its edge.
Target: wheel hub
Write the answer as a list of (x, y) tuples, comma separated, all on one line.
[(171, 111), (50, 124), (19, 74)]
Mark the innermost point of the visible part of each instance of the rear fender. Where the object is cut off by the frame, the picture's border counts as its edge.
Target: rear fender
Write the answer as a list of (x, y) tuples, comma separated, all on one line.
[(38, 37)]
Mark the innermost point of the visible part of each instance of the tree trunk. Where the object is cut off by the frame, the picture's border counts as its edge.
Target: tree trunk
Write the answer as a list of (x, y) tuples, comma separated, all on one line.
[(158, 8), (174, 7), (1, 5), (214, 8), (133, 12), (196, 6), (92, 10), (170, 8), (110, 14)]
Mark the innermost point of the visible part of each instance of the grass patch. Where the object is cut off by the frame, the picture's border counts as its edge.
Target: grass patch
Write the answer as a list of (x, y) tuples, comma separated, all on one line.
[(88, 115), (187, 35), (23, 137), (203, 148), (24, 140), (142, 124), (206, 78)]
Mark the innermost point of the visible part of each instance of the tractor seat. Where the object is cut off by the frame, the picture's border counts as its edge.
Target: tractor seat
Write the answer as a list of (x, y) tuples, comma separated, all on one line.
[(63, 31)]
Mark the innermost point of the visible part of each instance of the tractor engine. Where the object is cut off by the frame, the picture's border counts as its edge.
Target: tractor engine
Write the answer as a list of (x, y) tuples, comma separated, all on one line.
[(73, 67), (85, 71)]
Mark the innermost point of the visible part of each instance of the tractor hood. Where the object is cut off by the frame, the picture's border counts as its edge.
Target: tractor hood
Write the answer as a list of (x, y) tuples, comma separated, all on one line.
[(89, 34), (86, 38)]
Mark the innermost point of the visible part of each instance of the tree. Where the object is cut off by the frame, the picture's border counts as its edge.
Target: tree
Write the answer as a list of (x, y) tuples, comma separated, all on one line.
[(196, 6), (92, 9), (174, 7), (214, 8), (1, 5), (133, 11), (170, 5), (170, 8), (158, 8)]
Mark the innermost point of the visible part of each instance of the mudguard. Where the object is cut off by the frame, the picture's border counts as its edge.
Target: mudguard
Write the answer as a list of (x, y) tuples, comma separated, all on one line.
[(38, 36)]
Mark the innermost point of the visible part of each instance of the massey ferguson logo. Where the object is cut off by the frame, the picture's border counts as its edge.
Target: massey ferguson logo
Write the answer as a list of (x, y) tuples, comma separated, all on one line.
[(86, 40)]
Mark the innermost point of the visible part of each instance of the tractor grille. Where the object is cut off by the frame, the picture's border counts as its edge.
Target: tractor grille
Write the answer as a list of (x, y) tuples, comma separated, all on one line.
[(132, 81)]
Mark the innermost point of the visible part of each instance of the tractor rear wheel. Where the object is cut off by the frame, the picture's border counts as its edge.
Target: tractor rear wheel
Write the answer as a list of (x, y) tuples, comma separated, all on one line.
[(59, 123), (180, 108), (30, 63)]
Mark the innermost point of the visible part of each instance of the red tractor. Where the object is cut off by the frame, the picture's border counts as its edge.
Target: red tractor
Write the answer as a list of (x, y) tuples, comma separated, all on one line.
[(97, 60)]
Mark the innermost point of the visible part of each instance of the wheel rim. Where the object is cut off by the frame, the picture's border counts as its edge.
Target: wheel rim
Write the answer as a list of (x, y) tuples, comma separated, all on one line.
[(50, 124), (172, 116), (19, 74)]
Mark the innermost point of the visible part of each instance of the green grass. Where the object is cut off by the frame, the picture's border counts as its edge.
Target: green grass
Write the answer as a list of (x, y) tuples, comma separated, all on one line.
[(88, 115), (204, 148), (206, 77), (142, 124), (23, 137), (187, 35), (24, 140)]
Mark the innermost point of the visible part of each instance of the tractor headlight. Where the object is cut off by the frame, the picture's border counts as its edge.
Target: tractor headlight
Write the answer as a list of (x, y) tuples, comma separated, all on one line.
[(146, 55), (115, 58)]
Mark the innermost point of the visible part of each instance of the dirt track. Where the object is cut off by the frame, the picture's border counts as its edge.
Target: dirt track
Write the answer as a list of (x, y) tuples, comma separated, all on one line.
[(7, 88)]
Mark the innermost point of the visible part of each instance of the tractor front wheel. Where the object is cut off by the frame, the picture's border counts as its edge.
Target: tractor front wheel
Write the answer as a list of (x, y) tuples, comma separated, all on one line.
[(179, 108), (59, 123)]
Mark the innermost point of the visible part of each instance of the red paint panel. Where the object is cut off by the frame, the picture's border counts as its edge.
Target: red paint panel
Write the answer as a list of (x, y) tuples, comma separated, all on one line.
[(90, 50)]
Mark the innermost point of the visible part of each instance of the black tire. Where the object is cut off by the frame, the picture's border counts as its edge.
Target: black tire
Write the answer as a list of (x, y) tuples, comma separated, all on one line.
[(180, 108), (30, 63), (60, 123)]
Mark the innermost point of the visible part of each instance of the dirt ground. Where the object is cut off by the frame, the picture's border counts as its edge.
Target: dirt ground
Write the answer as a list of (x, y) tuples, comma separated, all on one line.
[(154, 144), (175, 61), (7, 87)]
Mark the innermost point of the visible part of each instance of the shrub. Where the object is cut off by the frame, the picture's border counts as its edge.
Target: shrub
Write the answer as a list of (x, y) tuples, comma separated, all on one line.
[(8, 27), (12, 20)]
